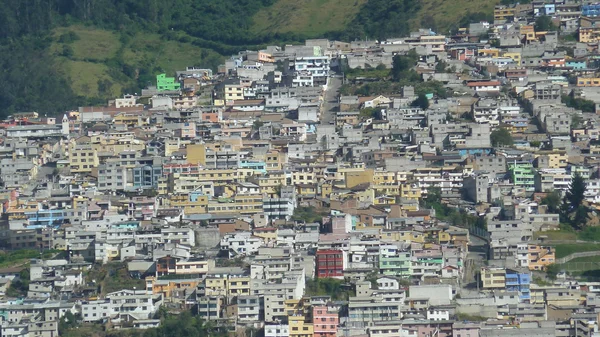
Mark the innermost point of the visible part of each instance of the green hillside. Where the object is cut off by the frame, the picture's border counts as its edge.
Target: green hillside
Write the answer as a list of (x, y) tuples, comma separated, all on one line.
[(102, 59), (314, 18), (308, 17), (444, 15), (58, 54)]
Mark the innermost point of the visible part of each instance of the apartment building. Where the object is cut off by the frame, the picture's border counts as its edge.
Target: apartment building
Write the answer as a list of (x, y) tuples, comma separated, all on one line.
[(126, 304)]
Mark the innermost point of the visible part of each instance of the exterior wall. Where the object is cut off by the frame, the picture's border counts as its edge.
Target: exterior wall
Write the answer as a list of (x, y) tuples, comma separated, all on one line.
[(325, 321), (330, 263)]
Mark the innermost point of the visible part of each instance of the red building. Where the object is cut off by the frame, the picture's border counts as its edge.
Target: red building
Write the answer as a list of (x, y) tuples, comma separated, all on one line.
[(330, 263), (325, 321)]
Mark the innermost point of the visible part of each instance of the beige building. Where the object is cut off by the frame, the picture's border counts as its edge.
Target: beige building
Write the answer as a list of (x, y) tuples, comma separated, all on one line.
[(492, 278), (82, 158)]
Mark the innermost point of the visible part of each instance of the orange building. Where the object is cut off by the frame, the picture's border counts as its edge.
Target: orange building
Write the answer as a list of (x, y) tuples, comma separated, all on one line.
[(540, 256), (171, 288)]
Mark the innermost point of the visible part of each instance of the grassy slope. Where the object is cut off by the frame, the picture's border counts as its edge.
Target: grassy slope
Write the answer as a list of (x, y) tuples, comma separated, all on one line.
[(563, 250), (315, 17), (448, 13), (95, 46), (312, 17)]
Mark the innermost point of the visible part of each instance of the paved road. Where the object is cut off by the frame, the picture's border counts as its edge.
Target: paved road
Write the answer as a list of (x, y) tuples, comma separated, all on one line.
[(331, 105)]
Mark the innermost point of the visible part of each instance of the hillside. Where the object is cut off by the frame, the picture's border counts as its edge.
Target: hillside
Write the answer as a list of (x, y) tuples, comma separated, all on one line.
[(444, 15), (58, 54), (314, 18), (307, 17), (101, 63)]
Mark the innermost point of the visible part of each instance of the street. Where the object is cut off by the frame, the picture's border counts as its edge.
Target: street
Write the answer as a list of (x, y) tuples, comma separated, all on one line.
[(331, 104)]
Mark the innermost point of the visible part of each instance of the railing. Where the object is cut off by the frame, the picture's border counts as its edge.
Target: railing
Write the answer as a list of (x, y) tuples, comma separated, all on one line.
[(576, 255)]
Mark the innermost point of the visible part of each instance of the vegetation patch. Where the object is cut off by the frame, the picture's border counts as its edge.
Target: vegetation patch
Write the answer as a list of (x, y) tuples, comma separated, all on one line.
[(308, 17), (566, 249)]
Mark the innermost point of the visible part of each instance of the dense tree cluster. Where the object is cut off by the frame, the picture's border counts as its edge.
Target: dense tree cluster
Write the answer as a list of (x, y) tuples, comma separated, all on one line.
[(501, 137), (381, 19)]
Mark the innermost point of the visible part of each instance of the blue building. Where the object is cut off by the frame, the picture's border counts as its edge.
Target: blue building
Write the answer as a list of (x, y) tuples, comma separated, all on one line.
[(474, 151), (46, 218), (146, 176), (255, 165), (519, 281), (590, 10), (576, 64), (126, 225), (549, 9)]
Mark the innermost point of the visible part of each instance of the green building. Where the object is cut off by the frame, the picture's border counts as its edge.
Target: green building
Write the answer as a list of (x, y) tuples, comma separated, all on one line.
[(522, 175), (164, 83), (396, 265)]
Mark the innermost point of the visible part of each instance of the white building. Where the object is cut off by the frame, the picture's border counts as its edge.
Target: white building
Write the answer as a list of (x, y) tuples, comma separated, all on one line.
[(277, 330), (241, 243), (182, 236), (136, 304), (311, 71)]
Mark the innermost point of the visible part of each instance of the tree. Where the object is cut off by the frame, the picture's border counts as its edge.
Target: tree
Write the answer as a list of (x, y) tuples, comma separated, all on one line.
[(552, 270), (257, 124), (369, 113), (552, 200), (422, 102), (576, 121), (501, 137), (67, 51), (441, 66), (402, 64), (544, 23), (576, 191), (573, 211)]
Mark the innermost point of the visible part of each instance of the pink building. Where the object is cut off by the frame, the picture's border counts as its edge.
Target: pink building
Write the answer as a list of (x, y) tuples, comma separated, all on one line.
[(325, 321)]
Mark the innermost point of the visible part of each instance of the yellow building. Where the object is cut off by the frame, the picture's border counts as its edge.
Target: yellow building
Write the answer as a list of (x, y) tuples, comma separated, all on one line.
[(503, 13), (410, 191), (588, 81), (243, 204), (528, 31), (299, 327), (274, 160), (219, 177), (326, 190), (514, 56), (402, 236), (196, 154), (491, 52), (117, 146), (558, 160), (82, 158), (196, 204), (444, 238), (269, 183), (354, 178), (238, 285), (384, 200), (299, 177), (234, 92), (306, 190), (131, 120), (589, 34), (171, 288), (215, 285), (493, 277), (268, 234), (229, 285), (389, 190)]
